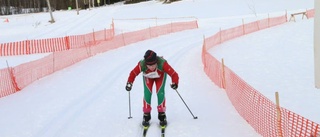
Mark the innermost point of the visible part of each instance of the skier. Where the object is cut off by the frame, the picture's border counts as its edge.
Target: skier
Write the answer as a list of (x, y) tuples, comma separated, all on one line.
[(155, 70)]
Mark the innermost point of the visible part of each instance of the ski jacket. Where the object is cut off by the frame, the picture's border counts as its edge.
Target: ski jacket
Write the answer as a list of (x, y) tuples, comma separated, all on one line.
[(162, 67)]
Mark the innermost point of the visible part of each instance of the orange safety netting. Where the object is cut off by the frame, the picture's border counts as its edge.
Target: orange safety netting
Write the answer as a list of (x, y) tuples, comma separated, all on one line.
[(310, 13), (260, 112), (54, 44), (7, 85)]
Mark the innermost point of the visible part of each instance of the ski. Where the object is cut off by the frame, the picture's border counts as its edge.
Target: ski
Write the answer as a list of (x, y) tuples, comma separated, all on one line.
[(145, 130), (163, 129)]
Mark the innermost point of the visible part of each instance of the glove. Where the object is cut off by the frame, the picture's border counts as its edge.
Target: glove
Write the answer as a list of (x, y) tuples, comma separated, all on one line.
[(128, 86), (174, 86)]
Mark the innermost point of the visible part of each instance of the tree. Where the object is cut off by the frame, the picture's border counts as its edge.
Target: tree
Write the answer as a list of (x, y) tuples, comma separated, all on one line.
[(9, 7), (49, 6)]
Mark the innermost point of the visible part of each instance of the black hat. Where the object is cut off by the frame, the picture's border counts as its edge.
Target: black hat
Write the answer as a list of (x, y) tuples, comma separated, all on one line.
[(150, 57)]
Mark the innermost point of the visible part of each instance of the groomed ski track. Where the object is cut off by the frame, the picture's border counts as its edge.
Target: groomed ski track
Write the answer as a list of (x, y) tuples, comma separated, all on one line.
[(88, 99)]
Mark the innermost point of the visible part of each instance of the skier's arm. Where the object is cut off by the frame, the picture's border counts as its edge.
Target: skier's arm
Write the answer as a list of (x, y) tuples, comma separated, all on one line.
[(171, 72), (135, 72)]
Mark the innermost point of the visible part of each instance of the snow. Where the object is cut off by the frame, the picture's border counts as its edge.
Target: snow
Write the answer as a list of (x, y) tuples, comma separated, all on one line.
[(88, 99), (278, 59)]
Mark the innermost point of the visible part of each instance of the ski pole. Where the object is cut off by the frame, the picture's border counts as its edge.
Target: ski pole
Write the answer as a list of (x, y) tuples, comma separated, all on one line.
[(129, 106), (194, 117)]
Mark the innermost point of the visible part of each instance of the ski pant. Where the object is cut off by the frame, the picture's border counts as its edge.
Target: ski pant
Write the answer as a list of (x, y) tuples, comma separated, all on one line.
[(160, 85)]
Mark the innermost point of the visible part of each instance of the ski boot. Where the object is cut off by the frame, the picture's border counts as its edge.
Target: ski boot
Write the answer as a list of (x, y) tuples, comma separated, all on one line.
[(163, 119), (146, 119)]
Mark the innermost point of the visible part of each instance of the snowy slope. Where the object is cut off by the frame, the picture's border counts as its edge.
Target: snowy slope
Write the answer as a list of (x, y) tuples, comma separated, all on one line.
[(88, 99)]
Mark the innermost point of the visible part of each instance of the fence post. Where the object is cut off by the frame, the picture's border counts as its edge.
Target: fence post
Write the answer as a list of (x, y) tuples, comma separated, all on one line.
[(13, 79), (105, 34), (286, 16), (112, 27), (204, 45), (223, 81), (243, 29), (94, 37), (197, 24), (279, 127), (124, 42), (203, 55)]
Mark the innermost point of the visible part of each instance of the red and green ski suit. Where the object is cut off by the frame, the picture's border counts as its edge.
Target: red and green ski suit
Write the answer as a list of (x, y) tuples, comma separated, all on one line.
[(163, 68)]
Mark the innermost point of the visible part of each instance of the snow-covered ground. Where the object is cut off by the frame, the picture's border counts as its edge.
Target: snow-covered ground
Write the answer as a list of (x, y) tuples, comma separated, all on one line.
[(88, 99), (278, 59)]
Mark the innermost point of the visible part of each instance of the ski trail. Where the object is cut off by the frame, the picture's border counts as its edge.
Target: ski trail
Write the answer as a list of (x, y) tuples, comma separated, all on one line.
[(90, 95)]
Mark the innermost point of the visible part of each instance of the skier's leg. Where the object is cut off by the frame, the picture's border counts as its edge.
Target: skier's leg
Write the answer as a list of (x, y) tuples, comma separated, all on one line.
[(147, 84), (160, 85)]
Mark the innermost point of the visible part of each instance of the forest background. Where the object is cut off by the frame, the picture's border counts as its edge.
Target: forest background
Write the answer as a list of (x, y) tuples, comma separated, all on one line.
[(11, 7)]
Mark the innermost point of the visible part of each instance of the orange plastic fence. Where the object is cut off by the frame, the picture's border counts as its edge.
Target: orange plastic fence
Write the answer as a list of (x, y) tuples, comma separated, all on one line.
[(6, 83), (310, 13), (54, 44), (259, 111), (70, 50)]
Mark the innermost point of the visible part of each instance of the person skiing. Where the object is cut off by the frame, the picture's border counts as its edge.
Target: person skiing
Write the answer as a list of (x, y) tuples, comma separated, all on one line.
[(155, 70)]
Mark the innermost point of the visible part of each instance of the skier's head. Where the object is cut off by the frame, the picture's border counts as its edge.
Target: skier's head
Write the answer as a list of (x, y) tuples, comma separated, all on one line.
[(150, 57)]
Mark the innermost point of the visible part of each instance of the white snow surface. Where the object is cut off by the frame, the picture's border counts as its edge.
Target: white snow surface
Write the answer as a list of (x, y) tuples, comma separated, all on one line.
[(88, 99)]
